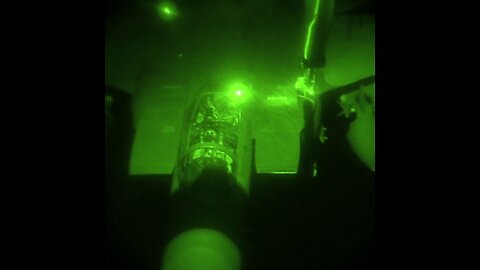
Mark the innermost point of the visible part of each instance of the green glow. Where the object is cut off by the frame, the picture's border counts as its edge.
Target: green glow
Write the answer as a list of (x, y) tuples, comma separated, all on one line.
[(309, 33), (239, 93), (167, 11), (201, 249), (281, 98), (161, 120), (303, 89), (238, 87), (275, 101)]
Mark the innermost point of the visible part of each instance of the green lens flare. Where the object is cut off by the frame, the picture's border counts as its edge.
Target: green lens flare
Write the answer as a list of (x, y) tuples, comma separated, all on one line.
[(167, 11), (239, 93)]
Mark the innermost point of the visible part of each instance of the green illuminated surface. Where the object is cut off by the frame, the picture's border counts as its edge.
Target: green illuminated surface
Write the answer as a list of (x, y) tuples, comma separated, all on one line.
[(201, 249), (361, 134), (220, 54), (351, 51), (158, 118), (277, 123), (274, 117), (278, 101)]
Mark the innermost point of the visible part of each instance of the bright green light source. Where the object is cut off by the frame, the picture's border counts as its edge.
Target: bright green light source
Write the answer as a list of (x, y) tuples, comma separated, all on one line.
[(167, 11), (238, 88), (238, 93)]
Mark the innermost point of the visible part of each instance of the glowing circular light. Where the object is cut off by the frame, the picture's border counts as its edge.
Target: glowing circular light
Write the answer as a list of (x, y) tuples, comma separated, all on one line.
[(167, 10), (239, 93)]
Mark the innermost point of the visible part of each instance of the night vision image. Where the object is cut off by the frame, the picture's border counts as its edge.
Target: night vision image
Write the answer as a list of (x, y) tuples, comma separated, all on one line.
[(240, 134)]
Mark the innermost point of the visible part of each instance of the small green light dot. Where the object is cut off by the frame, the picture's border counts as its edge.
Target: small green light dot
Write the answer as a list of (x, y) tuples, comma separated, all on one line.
[(166, 10), (239, 93)]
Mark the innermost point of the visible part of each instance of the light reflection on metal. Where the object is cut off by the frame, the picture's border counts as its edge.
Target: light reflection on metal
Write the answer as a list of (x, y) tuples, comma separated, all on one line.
[(215, 137)]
